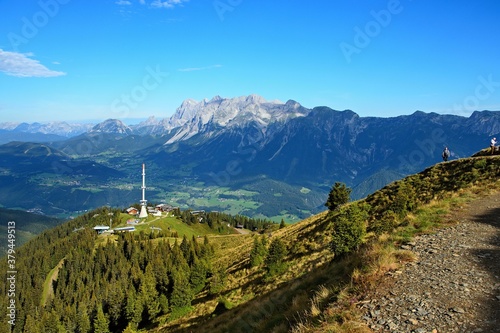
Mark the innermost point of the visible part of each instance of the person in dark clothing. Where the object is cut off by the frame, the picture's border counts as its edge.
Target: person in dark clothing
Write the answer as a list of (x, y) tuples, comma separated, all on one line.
[(446, 154)]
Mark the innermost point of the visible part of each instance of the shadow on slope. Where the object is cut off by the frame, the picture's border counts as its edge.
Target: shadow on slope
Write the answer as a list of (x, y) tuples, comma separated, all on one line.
[(276, 311)]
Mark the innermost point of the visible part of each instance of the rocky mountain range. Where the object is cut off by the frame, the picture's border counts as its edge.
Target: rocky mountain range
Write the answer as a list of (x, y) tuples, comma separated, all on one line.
[(59, 128), (264, 157)]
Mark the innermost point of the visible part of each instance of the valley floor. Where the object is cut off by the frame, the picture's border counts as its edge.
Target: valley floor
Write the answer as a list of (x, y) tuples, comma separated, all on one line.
[(454, 285)]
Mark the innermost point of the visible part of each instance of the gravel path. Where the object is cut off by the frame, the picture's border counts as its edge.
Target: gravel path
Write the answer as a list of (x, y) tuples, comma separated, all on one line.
[(454, 286)]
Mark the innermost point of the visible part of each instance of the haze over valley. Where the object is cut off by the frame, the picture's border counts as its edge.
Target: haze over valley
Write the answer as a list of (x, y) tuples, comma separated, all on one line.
[(241, 155)]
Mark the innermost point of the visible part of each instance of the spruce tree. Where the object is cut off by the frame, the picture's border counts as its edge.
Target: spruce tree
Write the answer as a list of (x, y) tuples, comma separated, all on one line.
[(69, 318), (182, 294), (133, 307), (101, 322), (198, 276), (218, 280), (258, 253), (339, 195), (50, 322), (149, 294), (349, 228), (163, 304), (275, 257), (82, 319), (116, 301), (31, 325)]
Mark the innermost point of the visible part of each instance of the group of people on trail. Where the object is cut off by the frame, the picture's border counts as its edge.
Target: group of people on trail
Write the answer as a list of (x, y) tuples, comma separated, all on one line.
[(446, 152)]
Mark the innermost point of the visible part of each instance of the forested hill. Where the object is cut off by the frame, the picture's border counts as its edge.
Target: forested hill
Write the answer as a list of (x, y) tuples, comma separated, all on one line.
[(68, 277)]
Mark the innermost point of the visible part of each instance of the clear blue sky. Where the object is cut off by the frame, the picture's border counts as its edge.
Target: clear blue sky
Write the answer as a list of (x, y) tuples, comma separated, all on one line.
[(92, 60)]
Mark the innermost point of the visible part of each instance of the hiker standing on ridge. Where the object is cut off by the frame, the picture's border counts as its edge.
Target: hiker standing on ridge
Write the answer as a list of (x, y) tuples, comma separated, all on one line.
[(493, 142), (445, 154)]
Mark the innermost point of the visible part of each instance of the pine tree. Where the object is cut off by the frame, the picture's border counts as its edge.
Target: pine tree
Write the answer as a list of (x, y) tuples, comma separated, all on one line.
[(349, 229), (181, 291), (259, 252), (198, 275), (218, 280), (275, 256), (101, 322), (133, 307), (149, 294), (82, 319), (31, 325), (339, 195)]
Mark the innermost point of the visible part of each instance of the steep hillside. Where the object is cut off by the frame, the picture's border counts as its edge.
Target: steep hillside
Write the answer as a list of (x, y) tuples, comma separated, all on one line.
[(316, 288)]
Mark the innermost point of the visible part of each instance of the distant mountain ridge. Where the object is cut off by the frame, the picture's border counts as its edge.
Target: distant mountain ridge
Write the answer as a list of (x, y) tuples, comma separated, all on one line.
[(60, 128), (247, 155), (193, 117), (38, 132)]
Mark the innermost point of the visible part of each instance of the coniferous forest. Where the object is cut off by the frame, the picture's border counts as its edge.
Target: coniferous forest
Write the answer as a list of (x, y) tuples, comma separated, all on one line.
[(70, 279)]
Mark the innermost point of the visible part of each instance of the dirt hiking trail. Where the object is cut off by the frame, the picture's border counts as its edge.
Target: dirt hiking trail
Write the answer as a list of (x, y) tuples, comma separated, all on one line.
[(453, 286)]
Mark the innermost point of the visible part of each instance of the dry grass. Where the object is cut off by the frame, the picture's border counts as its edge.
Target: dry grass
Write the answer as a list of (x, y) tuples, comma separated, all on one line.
[(317, 293)]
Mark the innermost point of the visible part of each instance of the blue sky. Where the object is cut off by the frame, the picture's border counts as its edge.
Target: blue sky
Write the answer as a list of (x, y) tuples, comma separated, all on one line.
[(92, 60)]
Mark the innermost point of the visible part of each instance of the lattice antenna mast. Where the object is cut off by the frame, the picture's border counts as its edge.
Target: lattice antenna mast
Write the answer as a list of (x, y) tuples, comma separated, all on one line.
[(144, 212)]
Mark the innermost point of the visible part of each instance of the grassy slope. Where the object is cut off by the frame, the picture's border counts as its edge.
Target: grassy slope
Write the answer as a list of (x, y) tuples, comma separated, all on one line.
[(317, 293)]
